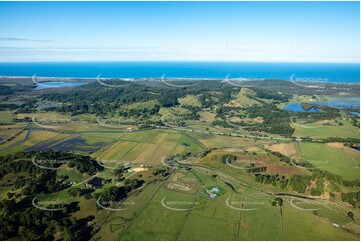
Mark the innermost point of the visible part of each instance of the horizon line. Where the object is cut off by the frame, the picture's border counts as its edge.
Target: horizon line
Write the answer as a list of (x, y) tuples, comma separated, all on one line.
[(214, 61)]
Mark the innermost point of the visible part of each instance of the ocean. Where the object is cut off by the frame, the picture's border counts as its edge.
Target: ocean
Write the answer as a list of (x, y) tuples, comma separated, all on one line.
[(329, 72)]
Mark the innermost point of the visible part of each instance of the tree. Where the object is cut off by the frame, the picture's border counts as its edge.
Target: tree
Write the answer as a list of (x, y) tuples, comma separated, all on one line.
[(279, 201), (68, 235), (351, 215)]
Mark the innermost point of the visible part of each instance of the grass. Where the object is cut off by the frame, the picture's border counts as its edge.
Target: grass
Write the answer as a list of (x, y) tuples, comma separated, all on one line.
[(243, 98), (72, 174), (157, 222), (190, 100), (303, 225), (7, 131), (264, 223), (340, 161), (317, 130), (287, 149), (6, 117)]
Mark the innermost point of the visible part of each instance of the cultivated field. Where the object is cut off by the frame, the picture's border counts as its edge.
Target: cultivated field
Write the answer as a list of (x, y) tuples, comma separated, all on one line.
[(148, 147)]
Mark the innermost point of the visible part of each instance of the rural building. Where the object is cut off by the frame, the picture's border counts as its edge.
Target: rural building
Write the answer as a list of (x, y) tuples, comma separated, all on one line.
[(213, 192)]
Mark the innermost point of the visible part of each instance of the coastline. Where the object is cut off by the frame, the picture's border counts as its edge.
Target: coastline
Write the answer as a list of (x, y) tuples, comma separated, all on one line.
[(134, 79)]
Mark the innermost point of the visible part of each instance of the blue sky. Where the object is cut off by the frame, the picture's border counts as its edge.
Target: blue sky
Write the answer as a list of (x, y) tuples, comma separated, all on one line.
[(210, 31)]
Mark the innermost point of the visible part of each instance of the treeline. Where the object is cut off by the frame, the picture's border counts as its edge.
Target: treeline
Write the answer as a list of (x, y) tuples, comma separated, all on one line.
[(23, 162), (272, 179), (99, 99), (29, 223), (139, 112), (301, 184), (115, 194), (352, 198), (266, 94)]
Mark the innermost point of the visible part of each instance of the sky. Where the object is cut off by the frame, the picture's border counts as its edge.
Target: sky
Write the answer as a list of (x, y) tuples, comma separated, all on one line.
[(180, 31)]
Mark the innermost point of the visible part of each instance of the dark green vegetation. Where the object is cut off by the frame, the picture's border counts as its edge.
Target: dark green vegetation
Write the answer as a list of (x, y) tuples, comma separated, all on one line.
[(144, 160)]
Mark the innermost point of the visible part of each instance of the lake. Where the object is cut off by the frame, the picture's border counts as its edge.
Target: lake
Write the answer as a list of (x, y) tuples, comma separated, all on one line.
[(296, 107), (44, 85), (341, 102)]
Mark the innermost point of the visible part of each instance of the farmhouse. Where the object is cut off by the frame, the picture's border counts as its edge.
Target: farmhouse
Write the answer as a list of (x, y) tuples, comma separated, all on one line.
[(213, 192)]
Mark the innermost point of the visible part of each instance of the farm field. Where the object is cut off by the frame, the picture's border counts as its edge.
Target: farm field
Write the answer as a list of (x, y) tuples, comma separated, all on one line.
[(5, 117), (148, 147), (317, 130), (341, 161), (287, 149), (296, 228)]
